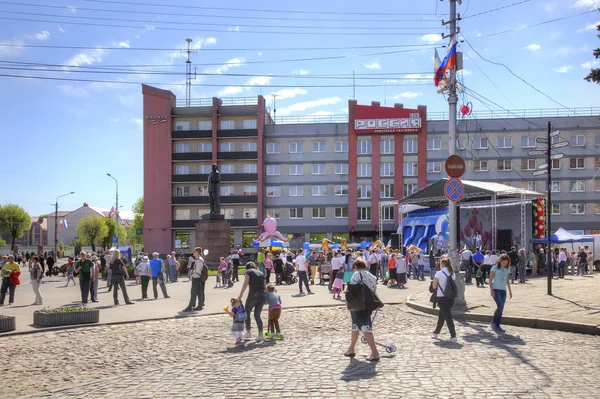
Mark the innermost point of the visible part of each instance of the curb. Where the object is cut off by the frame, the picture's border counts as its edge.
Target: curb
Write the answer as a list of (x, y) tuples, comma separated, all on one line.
[(529, 322)]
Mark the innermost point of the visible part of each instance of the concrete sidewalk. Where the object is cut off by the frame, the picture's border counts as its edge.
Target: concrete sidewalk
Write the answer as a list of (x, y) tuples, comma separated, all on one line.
[(575, 302), (55, 294)]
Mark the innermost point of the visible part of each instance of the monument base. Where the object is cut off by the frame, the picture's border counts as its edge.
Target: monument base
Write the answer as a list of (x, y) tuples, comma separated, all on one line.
[(214, 235)]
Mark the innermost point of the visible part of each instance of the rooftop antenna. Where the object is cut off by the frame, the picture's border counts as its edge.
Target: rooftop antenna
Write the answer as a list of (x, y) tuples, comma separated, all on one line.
[(188, 73), (274, 108)]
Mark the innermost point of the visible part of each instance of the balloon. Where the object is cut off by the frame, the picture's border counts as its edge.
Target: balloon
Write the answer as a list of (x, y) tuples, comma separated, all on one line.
[(255, 244), (335, 246), (306, 246), (363, 244)]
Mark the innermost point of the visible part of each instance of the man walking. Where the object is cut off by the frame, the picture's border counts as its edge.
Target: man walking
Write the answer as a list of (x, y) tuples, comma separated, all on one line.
[(84, 268), (158, 268), (514, 261), (465, 264), (302, 269), (197, 290), (235, 260), (478, 259)]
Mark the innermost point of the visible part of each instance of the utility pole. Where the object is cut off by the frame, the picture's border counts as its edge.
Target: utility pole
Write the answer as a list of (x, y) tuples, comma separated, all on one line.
[(274, 108), (56, 222), (353, 86), (116, 210), (549, 267), (188, 75)]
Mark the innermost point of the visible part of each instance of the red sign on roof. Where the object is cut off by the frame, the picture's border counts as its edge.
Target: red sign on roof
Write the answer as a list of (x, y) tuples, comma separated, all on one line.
[(373, 119)]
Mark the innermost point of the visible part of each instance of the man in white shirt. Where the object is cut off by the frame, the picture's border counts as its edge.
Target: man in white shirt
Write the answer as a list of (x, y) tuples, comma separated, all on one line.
[(465, 264), (373, 263), (562, 261), (302, 270), (487, 265), (336, 265)]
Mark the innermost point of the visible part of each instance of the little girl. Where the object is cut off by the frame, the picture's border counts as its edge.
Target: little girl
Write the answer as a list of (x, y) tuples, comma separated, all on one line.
[(268, 266), (338, 284), (220, 272), (70, 272), (239, 315), (274, 301)]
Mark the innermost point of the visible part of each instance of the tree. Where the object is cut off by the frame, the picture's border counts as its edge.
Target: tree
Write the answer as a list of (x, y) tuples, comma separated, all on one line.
[(3, 243), (110, 225), (594, 75), (138, 222), (92, 230), (14, 221)]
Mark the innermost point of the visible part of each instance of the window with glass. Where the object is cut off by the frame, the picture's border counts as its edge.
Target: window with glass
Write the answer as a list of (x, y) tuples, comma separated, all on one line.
[(555, 209), (249, 213), (183, 237), (204, 147), (319, 191), (273, 170), (273, 191), (504, 165), (318, 169), (410, 169), (203, 191), (275, 213), (296, 213), (386, 169), (597, 140), (597, 162), (555, 186), (576, 163), (527, 164), (182, 125), (340, 189), (204, 169), (411, 146), (578, 186), (364, 147), (434, 144), (249, 146), (182, 191), (480, 165), (318, 213), (387, 191), (248, 238), (203, 211), (204, 125), (273, 148), (531, 185), (387, 212), (181, 147), (182, 214), (296, 191), (505, 142), (296, 148), (318, 146), (229, 213), (434, 167), (555, 164), (249, 168), (340, 213), (296, 169), (227, 125), (341, 146), (555, 139), (460, 144), (577, 141), (364, 213), (182, 169), (227, 169), (341, 168), (528, 142), (577, 209), (249, 123), (364, 170), (363, 191), (480, 143), (250, 190), (226, 191), (596, 184), (386, 147), (410, 188), (226, 147)]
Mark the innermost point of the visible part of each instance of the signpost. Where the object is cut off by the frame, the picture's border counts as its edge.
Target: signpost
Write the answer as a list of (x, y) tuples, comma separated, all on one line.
[(560, 144), (557, 156), (539, 172), (454, 190), (455, 166), (536, 152), (541, 140)]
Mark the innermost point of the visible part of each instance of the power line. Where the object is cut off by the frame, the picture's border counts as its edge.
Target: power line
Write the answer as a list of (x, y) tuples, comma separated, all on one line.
[(214, 30), (244, 17), (218, 24), (496, 9), (538, 24)]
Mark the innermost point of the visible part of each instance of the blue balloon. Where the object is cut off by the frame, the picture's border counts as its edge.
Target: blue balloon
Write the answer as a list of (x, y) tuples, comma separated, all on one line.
[(276, 243), (306, 246), (363, 244), (335, 246), (255, 244)]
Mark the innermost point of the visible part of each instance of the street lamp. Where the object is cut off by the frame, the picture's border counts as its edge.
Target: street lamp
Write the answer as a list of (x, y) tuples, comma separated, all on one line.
[(56, 221), (116, 209)]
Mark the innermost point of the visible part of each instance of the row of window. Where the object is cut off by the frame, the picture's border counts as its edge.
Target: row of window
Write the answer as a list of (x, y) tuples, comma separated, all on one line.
[(250, 189), (224, 146), (223, 168), (363, 169), (363, 213), (364, 147), (575, 186), (186, 214), (575, 209), (364, 191), (482, 143), (223, 124), (481, 165)]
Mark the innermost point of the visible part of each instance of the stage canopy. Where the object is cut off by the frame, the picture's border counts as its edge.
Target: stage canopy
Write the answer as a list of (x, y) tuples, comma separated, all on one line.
[(563, 236), (433, 194)]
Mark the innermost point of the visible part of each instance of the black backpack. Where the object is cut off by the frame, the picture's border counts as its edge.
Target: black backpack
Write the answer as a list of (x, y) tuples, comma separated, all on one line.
[(451, 290)]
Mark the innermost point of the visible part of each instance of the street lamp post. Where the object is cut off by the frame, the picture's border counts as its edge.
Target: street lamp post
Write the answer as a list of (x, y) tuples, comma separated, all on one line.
[(116, 209), (56, 222)]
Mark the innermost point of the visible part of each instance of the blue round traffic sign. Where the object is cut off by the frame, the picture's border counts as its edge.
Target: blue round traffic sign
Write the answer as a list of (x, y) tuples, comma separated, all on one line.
[(454, 190)]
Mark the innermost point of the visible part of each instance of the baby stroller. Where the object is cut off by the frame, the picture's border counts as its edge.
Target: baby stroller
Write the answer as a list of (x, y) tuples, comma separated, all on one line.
[(288, 274), (324, 273)]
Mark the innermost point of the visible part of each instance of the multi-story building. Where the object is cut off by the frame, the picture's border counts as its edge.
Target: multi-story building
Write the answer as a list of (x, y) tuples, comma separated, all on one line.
[(36, 235), (326, 180)]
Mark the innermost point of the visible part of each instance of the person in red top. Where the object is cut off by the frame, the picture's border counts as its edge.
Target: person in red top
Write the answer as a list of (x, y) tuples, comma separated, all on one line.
[(392, 269), (10, 279)]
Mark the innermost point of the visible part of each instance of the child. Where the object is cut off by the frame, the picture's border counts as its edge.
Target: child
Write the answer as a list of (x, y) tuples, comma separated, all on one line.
[(274, 301), (70, 273), (222, 267), (338, 284), (239, 315)]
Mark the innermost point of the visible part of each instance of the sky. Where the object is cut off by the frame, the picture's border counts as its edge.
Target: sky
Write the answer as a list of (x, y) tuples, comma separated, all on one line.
[(62, 134)]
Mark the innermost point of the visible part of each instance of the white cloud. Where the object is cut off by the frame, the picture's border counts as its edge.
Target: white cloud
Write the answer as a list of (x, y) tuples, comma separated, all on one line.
[(431, 38), (73, 91), (234, 62), (234, 29), (533, 47), (322, 113), (414, 77), (586, 4), (288, 93), (123, 44), (43, 35), (301, 71), (130, 100), (255, 81), (209, 41), (590, 64), (303, 106), (139, 126), (373, 65), (563, 69), (259, 80), (87, 57), (260, 53), (476, 33), (73, 9), (230, 90), (407, 94), (464, 72), (590, 27), (60, 29)]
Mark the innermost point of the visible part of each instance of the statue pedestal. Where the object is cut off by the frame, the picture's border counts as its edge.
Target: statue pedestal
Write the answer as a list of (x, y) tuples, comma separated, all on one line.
[(214, 235)]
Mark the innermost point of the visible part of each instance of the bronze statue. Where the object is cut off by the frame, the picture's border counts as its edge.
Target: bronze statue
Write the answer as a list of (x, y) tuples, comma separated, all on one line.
[(214, 178)]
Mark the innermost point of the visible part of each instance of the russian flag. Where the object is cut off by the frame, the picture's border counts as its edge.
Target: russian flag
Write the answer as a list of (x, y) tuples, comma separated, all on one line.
[(112, 211), (64, 224), (448, 62)]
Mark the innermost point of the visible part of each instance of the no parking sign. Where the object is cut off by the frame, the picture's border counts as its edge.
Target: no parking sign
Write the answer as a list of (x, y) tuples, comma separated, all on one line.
[(454, 190)]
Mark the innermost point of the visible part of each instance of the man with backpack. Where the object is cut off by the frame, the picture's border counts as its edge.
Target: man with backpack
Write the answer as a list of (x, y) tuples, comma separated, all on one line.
[(446, 291), (199, 275)]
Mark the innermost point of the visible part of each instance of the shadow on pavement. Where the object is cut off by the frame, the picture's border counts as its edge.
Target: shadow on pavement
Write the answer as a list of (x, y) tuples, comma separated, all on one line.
[(357, 370), (576, 304), (448, 344), (248, 346)]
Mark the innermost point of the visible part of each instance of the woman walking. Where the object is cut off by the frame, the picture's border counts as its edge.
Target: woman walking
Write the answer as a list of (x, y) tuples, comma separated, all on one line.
[(522, 264), (145, 273), (254, 281), (36, 274), (173, 265), (440, 284), (119, 274), (361, 320), (499, 282), (95, 275)]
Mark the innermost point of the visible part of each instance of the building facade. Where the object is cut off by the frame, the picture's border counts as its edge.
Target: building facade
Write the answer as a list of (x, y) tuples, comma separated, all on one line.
[(326, 180)]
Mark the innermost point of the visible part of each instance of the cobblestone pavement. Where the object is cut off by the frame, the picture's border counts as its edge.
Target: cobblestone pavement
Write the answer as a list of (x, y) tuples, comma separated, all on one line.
[(194, 357)]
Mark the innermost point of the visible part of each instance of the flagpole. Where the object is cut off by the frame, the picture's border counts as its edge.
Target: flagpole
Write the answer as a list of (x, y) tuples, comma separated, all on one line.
[(56, 222)]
